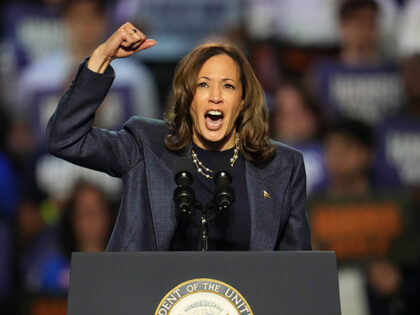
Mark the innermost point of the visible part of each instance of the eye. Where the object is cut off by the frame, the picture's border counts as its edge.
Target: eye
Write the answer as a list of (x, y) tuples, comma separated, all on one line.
[(202, 84), (229, 86)]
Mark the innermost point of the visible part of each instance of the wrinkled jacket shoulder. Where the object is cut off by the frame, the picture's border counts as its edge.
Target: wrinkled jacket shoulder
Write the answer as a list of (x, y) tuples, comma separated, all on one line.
[(285, 155), (148, 132)]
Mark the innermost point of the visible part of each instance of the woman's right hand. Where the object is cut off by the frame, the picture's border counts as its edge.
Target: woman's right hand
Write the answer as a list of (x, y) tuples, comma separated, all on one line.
[(126, 41)]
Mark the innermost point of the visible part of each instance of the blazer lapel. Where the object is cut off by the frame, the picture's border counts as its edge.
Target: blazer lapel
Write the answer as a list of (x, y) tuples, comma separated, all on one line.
[(161, 186), (265, 187)]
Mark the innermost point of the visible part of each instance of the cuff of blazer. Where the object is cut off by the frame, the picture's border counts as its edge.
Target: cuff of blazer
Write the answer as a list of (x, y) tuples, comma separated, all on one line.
[(95, 80)]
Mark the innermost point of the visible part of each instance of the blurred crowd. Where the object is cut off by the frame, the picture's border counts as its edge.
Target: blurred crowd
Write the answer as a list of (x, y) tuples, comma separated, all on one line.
[(342, 84)]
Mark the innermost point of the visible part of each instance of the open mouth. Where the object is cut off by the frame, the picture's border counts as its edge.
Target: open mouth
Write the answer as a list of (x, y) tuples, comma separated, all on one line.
[(213, 119)]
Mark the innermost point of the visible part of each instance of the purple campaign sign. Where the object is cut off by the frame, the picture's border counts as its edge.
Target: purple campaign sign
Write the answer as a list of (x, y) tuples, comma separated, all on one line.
[(33, 30), (366, 93), (398, 153)]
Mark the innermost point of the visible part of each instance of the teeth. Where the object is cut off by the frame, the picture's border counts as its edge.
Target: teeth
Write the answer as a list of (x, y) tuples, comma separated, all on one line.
[(214, 113)]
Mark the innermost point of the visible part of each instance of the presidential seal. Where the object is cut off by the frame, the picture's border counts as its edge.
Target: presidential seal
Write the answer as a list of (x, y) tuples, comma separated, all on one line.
[(203, 296)]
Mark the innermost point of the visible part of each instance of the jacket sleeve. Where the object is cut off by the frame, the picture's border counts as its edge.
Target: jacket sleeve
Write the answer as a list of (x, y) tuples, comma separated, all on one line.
[(296, 234), (71, 136)]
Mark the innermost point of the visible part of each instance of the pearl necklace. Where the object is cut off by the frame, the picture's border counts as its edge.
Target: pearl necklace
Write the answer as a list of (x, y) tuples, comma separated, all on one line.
[(200, 166)]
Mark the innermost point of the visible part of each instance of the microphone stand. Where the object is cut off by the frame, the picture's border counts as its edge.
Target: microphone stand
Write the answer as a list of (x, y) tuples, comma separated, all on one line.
[(204, 242), (204, 220)]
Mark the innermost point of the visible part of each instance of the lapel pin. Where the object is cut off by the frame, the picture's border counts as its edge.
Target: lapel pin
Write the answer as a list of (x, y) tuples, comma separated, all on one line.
[(267, 195)]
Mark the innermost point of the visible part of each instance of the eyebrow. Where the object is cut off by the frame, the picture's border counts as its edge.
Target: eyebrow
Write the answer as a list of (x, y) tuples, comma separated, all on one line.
[(224, 79)]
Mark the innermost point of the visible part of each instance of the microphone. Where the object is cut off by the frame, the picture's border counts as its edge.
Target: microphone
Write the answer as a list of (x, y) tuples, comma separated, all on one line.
[(184, 196), (223, 195)]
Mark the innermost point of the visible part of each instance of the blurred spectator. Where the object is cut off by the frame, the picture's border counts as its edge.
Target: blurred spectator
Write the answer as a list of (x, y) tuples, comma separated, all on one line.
[(349, 158), (266, 67), (42, 83), (359, 84), (85, 226), (37, 242), (295, 116), (20, 144), (397, 167), (364, 226), (87, 222), (297, 120), (359, 31)]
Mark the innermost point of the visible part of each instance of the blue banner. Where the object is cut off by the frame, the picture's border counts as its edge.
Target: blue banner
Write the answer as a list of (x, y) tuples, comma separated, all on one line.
[(398, 153)]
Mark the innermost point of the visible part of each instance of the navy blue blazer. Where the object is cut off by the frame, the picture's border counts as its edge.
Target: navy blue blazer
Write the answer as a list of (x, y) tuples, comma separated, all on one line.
[(147, 220)]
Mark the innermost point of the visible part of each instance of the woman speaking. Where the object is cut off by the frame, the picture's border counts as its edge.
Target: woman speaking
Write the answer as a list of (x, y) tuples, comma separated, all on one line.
[(219, 114)]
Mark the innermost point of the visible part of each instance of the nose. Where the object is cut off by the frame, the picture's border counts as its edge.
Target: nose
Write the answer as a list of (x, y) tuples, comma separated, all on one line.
[(215, 95)]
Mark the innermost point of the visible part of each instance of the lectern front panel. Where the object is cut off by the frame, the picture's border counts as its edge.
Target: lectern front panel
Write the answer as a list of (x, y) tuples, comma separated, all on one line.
[(260, 283)]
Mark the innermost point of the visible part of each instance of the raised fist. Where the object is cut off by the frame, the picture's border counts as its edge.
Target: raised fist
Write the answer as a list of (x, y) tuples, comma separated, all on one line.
[(125, 41)]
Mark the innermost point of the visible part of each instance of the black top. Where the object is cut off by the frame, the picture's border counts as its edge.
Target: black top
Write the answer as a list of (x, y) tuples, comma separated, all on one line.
[(229, 231)]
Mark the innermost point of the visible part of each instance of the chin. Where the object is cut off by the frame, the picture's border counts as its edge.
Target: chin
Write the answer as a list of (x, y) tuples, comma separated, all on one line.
[(215, 138)]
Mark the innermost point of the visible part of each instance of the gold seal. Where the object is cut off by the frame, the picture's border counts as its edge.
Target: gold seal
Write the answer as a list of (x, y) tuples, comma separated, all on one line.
[(203, 296)]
